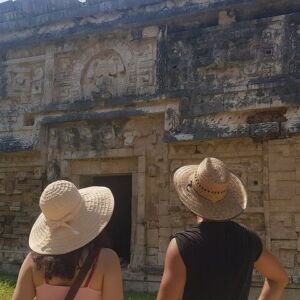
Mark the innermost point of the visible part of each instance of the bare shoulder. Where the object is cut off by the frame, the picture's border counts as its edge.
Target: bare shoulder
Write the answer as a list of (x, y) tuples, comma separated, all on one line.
[(37, 274), (108, 257), (173, 249), (109, 254), (27, 268), (28, 262)]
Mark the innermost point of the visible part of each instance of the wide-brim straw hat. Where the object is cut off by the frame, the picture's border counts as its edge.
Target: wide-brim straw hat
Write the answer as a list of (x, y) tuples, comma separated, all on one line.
[(70, 218), (210, 191)]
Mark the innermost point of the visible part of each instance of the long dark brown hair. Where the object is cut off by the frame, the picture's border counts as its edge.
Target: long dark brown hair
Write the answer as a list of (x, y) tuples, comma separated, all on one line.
[(65, 265)]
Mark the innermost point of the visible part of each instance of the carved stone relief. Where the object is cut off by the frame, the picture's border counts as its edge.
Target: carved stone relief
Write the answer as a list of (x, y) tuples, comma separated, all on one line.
[(10, 183), (107, 69), (294, 50), (95, 137), (53, 170), (62, 79), (104, 76), (25, 81), (37, 81), (216, 57), (105, 137), (21, 81)]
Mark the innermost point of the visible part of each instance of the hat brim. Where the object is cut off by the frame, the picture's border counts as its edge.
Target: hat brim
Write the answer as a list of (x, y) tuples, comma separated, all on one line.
[(233, 204), (93, 216)]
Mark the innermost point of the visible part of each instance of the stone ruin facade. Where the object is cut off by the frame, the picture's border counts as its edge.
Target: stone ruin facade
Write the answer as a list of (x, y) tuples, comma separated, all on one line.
[(112, 90)]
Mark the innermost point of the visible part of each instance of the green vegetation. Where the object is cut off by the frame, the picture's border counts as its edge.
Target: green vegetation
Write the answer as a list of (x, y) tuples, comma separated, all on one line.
[(7, 285)]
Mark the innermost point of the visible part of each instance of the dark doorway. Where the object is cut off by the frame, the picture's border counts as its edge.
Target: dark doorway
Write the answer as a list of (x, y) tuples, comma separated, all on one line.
[(119, 228)]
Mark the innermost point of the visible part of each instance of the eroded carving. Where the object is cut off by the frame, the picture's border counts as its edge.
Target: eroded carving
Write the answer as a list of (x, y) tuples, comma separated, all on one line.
[(104, 137), (37, 81), (25, 80), (104, 76), (53, 170), (210, 59)]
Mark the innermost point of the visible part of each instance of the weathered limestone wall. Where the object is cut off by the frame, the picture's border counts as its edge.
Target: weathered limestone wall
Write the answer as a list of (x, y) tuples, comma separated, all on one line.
[(141, 88), (20, 188)]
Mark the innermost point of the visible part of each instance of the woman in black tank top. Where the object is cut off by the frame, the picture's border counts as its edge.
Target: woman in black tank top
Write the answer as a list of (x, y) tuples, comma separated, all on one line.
[(214, 259)]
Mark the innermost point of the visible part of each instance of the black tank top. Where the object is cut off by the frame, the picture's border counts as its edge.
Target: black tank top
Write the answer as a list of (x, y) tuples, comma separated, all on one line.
[(219, 258)]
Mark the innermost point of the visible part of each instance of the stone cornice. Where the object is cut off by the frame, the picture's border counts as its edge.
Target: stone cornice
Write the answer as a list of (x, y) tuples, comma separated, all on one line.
[(31, 20)]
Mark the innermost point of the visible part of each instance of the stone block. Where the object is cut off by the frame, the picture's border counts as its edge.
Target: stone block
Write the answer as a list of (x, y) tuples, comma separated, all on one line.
[(254, 182), (141, 184), (254, 221), (279, 163), (297, 221), (282, 233), (152, 237), (15, 208), (296, 279), (164, 221), (22, 230), (165, 232), (141, 164), (163, 208), (163, 243), (282, 190), (153, 287), (161, 258), (150, 31), (285, 219), (129, 139), (298, 244), (287, 258), (9, 268), (176, 220), (152, 251), (152, 260), (137, 286), (283, 205), (255, 199), (280, 147), (265, 130), (154, 278), (153, 171), (151, 208), (140, 235), (284, 244), (282, 176)]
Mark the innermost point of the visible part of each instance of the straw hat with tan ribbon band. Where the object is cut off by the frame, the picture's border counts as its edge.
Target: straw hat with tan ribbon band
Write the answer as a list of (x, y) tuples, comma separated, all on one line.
[(70, 218), (209, 190)]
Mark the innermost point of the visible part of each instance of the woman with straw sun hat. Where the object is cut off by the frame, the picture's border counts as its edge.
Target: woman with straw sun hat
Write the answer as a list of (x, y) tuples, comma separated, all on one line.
[(69, 259), (214, 260)]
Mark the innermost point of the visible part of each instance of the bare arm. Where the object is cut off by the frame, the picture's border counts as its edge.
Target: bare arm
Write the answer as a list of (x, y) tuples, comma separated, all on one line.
[(276, 278), (112, 284), (174, 277), (25, 289)]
